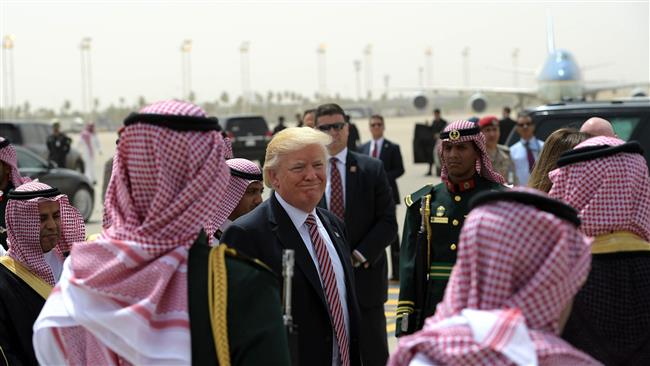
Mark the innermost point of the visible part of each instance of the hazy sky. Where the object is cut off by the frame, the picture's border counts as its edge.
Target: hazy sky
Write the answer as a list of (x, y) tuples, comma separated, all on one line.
[(136, 44)]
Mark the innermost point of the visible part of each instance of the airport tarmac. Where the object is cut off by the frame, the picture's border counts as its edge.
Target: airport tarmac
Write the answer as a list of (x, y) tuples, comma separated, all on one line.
[(398, 129)]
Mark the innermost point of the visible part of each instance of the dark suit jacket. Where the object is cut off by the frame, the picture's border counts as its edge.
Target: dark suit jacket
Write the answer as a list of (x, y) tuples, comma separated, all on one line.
[(370, 222), (391, 156), (263, 233)]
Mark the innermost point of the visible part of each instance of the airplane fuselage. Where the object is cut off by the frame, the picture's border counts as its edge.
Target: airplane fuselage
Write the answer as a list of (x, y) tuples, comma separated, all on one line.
[(560, 78)]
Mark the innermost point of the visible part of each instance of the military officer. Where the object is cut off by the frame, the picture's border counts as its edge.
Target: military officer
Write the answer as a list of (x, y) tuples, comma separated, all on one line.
[(434, 217)]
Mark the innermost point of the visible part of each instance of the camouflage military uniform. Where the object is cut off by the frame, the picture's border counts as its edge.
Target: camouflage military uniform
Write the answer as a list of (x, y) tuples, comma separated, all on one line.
[(503, 164)]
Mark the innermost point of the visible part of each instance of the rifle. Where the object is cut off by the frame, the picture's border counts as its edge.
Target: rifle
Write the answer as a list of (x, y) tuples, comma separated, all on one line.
[(292, 329)]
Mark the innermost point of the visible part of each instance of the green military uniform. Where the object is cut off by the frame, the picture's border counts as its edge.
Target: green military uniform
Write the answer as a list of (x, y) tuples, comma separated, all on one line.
[(235, 309), (429, 248)]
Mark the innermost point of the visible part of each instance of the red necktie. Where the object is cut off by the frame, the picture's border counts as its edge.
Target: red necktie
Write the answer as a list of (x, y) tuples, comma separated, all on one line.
[(336, 191), (375, 151), (531, 157), (331, 290)]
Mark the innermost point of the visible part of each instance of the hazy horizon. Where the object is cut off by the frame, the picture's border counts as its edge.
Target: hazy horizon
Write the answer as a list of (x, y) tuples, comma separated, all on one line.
[(136, 46)]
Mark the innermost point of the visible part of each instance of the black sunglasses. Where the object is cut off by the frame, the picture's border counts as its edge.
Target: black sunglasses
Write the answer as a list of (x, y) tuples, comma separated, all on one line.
[(336, 126)]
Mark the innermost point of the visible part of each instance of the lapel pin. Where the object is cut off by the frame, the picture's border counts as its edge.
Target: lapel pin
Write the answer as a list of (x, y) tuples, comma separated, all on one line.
[(353, 169)]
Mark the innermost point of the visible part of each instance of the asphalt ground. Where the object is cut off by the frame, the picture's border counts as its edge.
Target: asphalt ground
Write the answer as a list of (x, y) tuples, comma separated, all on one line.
[(399, 130)]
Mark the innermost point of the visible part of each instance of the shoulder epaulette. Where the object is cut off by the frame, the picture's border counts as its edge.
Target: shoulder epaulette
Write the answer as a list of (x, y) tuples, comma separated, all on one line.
[(504, 148), (233, 253), (410, 199)]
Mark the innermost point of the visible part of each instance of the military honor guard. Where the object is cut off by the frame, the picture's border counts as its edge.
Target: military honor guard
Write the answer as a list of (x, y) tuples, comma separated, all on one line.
[(607, 181), (434, 217), (41, 227), (150, 290)]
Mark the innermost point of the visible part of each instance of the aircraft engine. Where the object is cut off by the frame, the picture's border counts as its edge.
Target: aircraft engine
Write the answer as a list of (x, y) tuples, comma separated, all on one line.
[(478, 102), (420, 102), (639, 92)]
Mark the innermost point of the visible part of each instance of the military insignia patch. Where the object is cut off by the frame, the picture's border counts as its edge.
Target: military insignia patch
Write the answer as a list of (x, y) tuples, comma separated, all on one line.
[(454, 135), (440, 211)]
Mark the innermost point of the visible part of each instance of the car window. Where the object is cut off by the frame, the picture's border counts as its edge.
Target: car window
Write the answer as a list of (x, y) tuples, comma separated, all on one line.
[(31, 134), (28, 160), (546, 127), (10, 132), (247, 126), (624, 126)]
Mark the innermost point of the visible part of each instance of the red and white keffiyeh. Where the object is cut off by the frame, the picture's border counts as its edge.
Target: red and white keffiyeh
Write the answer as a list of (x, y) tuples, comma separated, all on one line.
[(8, 155), (236, 188), (123, 298), (611, 193), (24, 227), (517, 269), (483, 164)]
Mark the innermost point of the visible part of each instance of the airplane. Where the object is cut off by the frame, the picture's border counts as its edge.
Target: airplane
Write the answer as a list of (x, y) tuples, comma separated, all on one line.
[(559, 79)]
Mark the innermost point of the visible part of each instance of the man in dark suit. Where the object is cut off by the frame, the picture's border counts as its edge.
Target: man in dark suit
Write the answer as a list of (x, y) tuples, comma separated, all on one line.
[(359, 194), (506, 124), (324, 302), (390, 154)]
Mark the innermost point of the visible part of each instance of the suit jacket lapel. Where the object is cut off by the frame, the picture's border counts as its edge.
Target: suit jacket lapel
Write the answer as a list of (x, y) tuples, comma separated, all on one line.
[(351, 184), (289, 238), (383, 154)]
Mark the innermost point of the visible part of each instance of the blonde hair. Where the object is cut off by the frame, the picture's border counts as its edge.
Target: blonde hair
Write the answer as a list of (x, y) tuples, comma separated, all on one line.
[(289, 140), (556, 143)]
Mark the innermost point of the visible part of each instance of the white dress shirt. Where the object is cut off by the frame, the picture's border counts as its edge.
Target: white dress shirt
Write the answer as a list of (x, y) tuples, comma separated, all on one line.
[(519, 157), (298, 218), (379, 143)]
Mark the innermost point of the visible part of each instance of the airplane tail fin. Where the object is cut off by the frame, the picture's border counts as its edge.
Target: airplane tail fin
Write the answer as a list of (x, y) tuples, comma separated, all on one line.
[(550, 35)]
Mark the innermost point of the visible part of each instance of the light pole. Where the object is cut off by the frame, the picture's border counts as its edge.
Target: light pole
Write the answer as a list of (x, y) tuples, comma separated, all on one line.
[(515, 66), (386, 84), (245, 75), (428, 63), (357, 73), (465, 54), (186, 65), (86, 80), (322, 70), (9, 86), (367, 52)]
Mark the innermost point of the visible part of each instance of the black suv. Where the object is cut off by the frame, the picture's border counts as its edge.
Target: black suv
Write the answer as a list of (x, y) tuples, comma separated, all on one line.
[(33, 135), (630, 119), (74, 184), (249, 135)]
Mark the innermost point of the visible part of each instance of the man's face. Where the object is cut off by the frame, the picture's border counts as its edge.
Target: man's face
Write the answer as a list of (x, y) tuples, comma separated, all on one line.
[(300, 177), (377, 128), (525, 128), (50, 218), (492, 134), (460, 159), (308, 121), (336, 127), (251, 199), (436, 115), (506, 113)]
